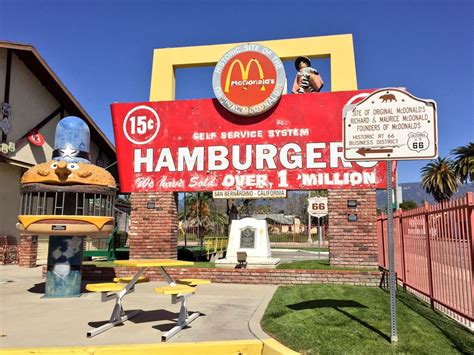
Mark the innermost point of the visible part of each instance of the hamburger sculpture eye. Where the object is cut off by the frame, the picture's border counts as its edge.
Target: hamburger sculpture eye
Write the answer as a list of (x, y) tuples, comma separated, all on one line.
[(67, 198)]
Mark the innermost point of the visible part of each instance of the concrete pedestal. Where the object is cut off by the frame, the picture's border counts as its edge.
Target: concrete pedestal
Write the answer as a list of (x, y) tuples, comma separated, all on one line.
[(63, 278), (249, 235)]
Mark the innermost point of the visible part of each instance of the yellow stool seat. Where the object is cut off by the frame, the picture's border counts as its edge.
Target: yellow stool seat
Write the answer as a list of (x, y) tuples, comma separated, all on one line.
[(175, 290), (127, 279), (193, 282), (105, 287)]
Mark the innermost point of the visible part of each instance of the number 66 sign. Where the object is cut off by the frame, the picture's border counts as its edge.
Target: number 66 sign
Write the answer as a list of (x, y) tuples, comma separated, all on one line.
[(318, 206)]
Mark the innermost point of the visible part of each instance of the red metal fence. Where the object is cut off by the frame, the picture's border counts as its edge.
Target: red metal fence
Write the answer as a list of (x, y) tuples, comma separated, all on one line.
[(434, 253)]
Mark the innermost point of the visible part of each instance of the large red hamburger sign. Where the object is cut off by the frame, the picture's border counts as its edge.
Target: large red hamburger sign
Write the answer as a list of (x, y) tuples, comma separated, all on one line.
[(249, 79), (193, 145)]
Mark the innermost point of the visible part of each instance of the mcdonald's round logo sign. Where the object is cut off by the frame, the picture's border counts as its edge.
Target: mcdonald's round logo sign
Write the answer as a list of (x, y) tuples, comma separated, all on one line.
[(249, 79)]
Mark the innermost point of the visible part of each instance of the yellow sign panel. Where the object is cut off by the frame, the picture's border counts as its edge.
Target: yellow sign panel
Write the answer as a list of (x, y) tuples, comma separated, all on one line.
[(339, 49)]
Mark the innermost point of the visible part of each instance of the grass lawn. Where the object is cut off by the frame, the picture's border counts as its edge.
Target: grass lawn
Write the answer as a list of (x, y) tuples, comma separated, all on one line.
[(303, 265), (337, 319), (304, 249), (111, 264), (315, 249), (316, 265)]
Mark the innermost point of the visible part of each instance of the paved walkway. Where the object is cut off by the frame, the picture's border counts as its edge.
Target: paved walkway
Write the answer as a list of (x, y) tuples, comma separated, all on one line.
[(289, 255), (231, 312)]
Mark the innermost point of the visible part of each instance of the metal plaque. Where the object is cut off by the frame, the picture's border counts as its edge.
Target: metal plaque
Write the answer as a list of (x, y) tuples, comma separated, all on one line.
[(352, 203), (352, 217), (247, 237)]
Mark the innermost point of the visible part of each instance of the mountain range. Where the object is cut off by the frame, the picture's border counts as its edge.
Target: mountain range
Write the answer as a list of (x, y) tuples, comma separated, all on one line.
[(413, 191)]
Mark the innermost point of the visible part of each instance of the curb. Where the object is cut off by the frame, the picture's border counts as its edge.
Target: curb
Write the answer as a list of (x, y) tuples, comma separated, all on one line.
[(271, 346), (249, 347)]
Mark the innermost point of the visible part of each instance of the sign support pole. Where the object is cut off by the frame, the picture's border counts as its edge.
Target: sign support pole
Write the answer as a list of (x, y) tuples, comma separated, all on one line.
[(394, 142), (310, 240), (319, 238), (391, 257), (185, 223)]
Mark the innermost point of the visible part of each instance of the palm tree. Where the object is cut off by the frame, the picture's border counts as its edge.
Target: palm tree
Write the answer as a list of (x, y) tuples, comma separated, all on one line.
[(464, 162), (245, 209), (439, 180), (199, 213)]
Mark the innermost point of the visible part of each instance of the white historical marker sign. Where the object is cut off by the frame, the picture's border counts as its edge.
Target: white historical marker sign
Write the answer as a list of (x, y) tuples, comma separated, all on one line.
[(318, 206), (390, 124)]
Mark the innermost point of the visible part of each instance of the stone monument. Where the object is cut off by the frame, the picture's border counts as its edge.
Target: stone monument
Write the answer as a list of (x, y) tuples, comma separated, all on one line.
[(249, 235)]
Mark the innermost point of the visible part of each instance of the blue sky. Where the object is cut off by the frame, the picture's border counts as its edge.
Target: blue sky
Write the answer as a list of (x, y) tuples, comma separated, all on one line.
[(102, 50)]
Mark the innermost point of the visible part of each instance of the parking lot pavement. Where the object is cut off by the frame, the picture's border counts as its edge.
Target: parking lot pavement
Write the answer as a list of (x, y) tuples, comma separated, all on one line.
[(28, 320)]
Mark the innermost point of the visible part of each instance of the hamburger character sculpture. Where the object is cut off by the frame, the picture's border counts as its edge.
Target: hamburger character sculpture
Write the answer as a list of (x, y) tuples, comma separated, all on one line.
[(67, 198)]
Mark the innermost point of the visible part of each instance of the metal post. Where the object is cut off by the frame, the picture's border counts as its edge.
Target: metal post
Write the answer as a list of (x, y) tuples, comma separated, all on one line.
[(310, 240), (199, 222), (185, 219), (469, 214), (320, 236), (428, 261), (402, 240), (391, 258)]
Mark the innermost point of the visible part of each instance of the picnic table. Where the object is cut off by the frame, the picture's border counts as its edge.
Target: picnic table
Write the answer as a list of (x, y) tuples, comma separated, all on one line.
[(180, 291)]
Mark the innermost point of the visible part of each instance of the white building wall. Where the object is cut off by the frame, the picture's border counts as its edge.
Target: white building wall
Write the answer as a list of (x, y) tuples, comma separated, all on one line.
[(9, 198), (30, 103), (32, 154), (3, 73), (29, 100)]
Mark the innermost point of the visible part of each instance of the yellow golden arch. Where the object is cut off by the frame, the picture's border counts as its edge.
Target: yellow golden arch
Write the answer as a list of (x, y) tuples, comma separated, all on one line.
[(338, 48), (244, 71)]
